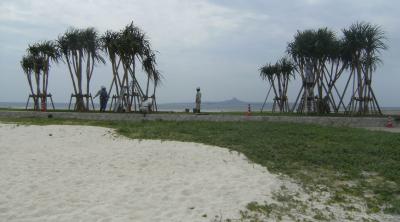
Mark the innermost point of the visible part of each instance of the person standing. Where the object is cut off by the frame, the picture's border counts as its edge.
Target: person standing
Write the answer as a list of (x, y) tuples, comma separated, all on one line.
[(198, 100), (103, 98)]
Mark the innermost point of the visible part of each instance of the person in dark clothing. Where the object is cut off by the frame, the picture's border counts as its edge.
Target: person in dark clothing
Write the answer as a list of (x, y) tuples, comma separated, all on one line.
[(103, 98), (198, 100)]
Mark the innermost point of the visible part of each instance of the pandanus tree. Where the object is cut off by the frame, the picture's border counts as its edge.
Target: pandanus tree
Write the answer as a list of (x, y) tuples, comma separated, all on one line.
[(50, 53), (149, 66), (317, 55), (363, 44), (92, 48), (28, 65), (321, 59), (118, 46), (278, 76), (38, 60), (125, 49), (335, 67), (132, 48), (71, 48), (157, 81), (267, 73), (301, 50), (79, 47), (110, 45)]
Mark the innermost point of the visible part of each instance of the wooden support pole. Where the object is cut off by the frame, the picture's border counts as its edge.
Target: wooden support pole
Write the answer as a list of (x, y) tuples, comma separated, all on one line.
[(265, 101), (298, 97)]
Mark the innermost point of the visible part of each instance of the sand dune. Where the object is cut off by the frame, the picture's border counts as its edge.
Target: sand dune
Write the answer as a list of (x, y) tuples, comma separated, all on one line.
[(76, 173)]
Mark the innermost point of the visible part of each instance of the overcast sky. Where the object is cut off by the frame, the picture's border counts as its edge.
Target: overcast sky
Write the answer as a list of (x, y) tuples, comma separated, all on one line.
[(217, 45)]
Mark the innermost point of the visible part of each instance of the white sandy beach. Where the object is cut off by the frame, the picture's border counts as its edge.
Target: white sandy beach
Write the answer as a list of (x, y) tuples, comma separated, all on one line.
[(80, 173)]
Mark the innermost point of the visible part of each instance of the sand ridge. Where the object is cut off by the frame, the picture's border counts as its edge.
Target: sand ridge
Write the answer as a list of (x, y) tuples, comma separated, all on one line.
[(83, 173)]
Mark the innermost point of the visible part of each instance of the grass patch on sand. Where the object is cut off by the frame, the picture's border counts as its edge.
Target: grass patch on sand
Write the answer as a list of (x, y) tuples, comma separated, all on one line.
[(349, 162)]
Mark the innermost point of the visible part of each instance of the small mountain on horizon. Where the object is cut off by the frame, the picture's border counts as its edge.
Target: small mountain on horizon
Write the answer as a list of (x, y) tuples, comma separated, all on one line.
[(233, 101)]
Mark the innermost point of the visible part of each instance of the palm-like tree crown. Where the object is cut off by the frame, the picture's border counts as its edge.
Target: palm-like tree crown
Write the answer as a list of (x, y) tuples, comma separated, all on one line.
[(364, 42), (91, 43), (314, 45), (71, 42), (27, 64), (267, 71), (46, 51), (131, 43), (149, 66), (286, 67), (109, 43)]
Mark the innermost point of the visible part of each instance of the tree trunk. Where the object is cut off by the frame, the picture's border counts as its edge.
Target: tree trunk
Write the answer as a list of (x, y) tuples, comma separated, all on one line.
[(360, 89), (147, 88), (71, 74), (133, 84), (285, 92), (87, 80), (37, 76), (28, 76), (154, 97), (272, 81), (280, 102), (80, 105)]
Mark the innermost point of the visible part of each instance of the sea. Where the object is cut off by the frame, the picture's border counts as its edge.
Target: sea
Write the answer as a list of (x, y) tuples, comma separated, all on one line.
[(233, 105)]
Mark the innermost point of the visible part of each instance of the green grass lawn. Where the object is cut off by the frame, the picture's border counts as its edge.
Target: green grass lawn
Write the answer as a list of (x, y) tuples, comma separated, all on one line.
[(311, 154)]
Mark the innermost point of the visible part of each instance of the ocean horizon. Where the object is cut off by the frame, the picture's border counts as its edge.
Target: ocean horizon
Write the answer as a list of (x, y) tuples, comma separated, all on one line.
[(173, 107)]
